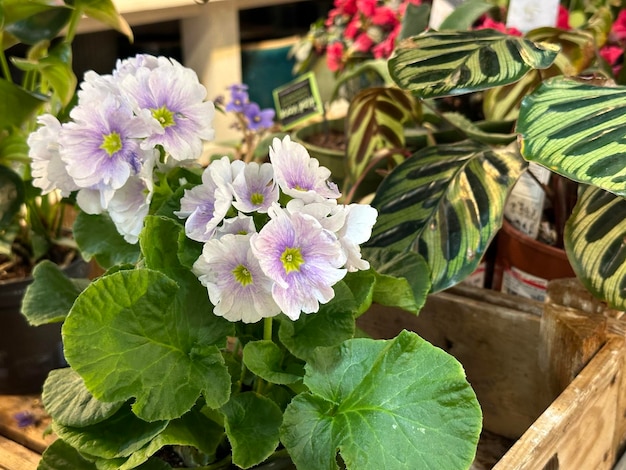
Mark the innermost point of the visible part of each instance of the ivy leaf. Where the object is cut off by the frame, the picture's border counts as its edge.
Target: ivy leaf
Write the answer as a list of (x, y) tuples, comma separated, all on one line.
[(98, 238), (50, 296), (252, 424), (70, 403), (105, 439), (265, 359), (333, 324), (395, 404), (143, 344)]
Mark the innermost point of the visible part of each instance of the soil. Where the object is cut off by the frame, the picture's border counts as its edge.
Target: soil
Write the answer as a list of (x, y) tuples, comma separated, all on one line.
[(20, 267), (331, 139)]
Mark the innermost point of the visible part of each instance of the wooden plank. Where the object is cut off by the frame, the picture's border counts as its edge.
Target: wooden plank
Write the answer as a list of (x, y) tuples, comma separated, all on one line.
[(32, 437), (16, 457), (577, 430), (497, 345)]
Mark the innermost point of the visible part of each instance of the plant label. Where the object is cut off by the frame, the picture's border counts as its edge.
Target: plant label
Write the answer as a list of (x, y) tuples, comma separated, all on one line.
[(298, 101)]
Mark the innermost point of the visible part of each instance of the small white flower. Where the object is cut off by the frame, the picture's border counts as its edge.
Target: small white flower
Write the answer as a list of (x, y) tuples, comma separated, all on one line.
[(237, 286), (241, 225), (299, 175), (254, 188)]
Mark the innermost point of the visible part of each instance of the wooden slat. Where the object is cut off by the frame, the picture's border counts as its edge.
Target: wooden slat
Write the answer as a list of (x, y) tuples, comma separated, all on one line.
[(31, 437), (577, 430), (16, 457)]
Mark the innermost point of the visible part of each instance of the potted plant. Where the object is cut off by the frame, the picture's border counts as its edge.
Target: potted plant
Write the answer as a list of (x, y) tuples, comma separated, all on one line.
[(228, 338), (35, 222), (447, 201)]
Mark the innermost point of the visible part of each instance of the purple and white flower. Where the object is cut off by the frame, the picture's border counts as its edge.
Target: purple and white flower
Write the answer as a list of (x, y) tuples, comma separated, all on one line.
[(237, 286), (254, 188), (302, 258), (299, 175), (242, 224)]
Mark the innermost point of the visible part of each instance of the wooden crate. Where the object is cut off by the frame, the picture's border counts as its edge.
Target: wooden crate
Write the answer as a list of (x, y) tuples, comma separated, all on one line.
[(548, 376)]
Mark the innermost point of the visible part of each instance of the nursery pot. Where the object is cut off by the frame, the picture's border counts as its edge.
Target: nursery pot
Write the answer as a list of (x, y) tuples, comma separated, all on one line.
[(523, 265), (28, 353)]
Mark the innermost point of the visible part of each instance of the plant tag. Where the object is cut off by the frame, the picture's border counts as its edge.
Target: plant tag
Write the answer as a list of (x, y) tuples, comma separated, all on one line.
[(524, 206), (530, 14), (440, 10), (298, 101), (517, 282)]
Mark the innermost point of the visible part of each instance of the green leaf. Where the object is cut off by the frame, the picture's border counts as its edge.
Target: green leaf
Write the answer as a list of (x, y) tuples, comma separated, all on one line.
[(252, 423), (396, 404), (334, 323), (446, 203), (477, 131), (17, 105), (55, 69), (98, 238), (361, 283), (11, 195), (594, 242), (415, 20), (402, 279), (439, 64), (61, 456), (50, 296), (375, 121), (42, 26), (118, 436), (70, 404), (192, 429), (105, 11), (142, 344), (577, 130), (265, 359), (465, 15)]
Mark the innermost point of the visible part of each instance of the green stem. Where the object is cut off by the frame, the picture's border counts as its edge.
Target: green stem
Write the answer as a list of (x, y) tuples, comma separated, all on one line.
[(267, 328), (5, 67), (77, 14)]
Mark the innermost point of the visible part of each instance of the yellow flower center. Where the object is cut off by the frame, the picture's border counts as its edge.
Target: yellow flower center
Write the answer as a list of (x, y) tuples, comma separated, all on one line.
[(242, 275), (111, 143), (164, 116), (292, 259), (257, 199)]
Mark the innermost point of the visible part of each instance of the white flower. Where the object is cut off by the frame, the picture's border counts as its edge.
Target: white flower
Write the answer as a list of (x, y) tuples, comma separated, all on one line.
[(241, 225), (254, 188), (299, 175), (48, 170), (237, 286), (302, 258)]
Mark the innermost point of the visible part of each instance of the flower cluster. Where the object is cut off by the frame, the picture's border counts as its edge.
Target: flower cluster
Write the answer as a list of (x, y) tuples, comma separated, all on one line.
[(356, 30), (252, 121), (150, 112), (259, 257)]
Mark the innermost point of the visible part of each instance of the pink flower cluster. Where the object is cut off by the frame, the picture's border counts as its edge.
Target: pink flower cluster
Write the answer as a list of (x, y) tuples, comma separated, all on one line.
[(361, 29)]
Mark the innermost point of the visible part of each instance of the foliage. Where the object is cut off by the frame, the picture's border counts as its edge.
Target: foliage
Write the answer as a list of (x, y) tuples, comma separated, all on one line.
[(40, 80), (225, 325)]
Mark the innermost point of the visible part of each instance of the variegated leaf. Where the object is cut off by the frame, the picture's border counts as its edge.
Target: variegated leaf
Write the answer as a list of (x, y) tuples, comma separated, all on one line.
[(451, 63), (577, 130), (594, 241), (376, 119), (446, 203)]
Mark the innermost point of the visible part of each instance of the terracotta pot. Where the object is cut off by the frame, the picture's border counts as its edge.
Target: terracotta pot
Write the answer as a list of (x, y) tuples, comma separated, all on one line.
[(523, 266), (28, 353)]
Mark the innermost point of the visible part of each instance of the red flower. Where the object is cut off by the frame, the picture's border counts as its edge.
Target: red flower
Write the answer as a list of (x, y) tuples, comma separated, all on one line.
[(353, 28), (363, 43), (385, 48), (334, 56), (366, 7), (498, 26), (562, 21), (386, 17), (618, 30)]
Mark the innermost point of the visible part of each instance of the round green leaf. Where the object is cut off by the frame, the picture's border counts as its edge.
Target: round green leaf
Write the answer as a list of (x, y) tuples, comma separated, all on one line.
[(129, 337), (61, 456), (265, 359), (70, 403), (399, 404), (252, 424)]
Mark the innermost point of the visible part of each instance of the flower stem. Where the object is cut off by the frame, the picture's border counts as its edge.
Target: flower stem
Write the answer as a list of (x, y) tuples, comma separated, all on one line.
[(267, 328), (5, 67)]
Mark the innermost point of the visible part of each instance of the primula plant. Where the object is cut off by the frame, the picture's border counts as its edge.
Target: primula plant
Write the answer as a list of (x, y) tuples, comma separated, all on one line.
[(223, 333)]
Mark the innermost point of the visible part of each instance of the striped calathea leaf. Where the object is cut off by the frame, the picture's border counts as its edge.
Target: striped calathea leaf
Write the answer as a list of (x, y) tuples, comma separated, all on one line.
[(375, 121), (446, 202), (594, 241), (577, 130), (446, 63)]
